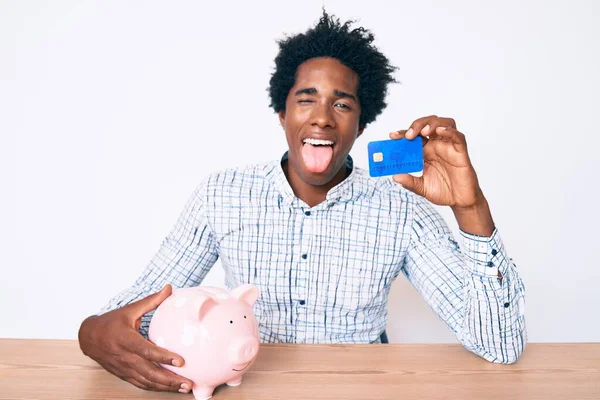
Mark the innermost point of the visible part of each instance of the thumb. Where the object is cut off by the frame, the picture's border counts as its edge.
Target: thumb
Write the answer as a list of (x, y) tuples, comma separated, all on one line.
[(412, 183), (149, 303)]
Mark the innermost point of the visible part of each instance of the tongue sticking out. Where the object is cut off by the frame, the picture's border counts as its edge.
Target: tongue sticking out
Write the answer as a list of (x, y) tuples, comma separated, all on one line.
[(317, 158)]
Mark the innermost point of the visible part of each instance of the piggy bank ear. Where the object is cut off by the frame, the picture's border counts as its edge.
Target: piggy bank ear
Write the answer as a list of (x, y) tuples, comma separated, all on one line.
[(246, 293), (201, 306)]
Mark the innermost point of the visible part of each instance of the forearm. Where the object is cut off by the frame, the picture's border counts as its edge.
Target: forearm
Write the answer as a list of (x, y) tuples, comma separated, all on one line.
[(475, 290), (184, 258), (494, 314)]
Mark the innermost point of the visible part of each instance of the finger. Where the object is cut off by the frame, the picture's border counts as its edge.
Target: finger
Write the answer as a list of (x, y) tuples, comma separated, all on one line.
[(159, 378), (402, 134), (136, 383), (450, 134), (123, 376), (149, 303), (146, 384), (151, 352), (433, 124), (398, 134), (423, 126), (412, 183), (417, 126), (135, 378), (157, 386)]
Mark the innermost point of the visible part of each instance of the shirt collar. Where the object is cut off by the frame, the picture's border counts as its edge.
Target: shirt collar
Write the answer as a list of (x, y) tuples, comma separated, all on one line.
[(347, 190)]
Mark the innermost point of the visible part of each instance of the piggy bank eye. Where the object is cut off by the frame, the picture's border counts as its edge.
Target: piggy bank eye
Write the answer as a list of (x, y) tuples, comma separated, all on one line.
[(244, 317), (231, 322)]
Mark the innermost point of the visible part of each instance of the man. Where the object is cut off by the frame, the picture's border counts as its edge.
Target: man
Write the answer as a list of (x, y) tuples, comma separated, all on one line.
[(321, 239)]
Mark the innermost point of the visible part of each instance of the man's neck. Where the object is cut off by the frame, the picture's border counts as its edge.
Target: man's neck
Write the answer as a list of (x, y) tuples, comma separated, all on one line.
[(311, 194)]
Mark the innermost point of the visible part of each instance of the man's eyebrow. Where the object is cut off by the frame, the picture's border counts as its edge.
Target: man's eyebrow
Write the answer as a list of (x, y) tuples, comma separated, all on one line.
[(341, 94), (311, 90), (338, 93)]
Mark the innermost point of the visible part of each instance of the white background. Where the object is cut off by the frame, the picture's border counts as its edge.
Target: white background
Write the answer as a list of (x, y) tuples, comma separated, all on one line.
[(111, 113)]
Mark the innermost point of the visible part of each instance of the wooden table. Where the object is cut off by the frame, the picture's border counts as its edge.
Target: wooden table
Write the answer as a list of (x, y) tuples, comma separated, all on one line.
[(56, 369)]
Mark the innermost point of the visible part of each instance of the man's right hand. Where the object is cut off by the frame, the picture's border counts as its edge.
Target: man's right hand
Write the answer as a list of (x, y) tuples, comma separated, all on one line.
[(113, 341)]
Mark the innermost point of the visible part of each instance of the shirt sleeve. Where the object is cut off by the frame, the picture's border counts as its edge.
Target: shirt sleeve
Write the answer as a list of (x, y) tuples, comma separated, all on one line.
[(462, 286), (183, 259)]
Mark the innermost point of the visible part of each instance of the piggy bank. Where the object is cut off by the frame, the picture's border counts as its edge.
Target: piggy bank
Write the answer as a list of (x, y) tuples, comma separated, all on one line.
[(214, 330)]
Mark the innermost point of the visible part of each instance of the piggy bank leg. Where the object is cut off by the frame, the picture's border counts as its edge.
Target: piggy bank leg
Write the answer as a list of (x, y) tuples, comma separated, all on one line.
[(235, 382), (202, 392)]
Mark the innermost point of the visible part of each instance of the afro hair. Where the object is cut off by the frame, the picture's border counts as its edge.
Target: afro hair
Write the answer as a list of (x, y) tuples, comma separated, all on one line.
[(353, 48)]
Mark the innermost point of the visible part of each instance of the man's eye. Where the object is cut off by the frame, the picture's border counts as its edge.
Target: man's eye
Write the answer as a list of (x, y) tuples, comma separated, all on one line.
[(304, 101), (342, 105)]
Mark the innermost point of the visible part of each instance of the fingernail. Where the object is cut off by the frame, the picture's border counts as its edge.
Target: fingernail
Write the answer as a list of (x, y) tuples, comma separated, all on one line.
[(184, 388), (442, 128), (176, 362), (409, 133), (425, 130)]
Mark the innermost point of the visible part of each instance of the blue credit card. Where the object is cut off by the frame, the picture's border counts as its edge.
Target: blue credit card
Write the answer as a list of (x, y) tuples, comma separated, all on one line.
[(399, 156)]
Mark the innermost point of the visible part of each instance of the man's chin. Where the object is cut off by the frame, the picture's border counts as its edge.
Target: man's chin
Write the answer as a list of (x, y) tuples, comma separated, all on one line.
[(318, 178)]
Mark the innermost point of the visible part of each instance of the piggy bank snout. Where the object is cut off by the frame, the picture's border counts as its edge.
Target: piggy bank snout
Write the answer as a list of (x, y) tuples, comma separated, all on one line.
[(243, 350)]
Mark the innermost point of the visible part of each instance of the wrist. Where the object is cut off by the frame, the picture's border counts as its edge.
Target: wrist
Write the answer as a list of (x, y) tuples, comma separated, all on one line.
[(475, 219)]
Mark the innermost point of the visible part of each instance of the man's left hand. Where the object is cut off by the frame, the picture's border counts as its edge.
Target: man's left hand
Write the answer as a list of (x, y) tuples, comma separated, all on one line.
[(449, 178)]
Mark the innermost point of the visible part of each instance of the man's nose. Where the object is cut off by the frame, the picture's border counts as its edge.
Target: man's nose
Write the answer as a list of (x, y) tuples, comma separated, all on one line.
[(323, 116)]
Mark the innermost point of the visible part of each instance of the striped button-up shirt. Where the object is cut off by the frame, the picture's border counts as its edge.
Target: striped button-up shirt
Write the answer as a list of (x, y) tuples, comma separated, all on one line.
[(325, 272)]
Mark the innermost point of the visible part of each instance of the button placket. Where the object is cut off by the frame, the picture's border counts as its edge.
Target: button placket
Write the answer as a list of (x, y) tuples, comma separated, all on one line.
[(305, 253), (307, 230), (295, 274)]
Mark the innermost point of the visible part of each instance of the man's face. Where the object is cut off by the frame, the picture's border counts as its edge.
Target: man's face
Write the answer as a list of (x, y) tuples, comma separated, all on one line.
[(321, 119)]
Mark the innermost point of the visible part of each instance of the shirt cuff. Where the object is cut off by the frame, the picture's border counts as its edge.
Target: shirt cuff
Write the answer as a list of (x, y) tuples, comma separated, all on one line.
[(485, 255)]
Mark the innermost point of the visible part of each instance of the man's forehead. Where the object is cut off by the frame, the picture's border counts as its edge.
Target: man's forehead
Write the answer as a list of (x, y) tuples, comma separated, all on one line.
[(326, 77)]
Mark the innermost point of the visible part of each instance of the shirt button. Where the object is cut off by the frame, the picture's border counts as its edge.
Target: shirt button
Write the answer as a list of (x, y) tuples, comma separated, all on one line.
[(302, 302), (304, 256), (307, 213), (494, 252), (506, 305), (490, 264)]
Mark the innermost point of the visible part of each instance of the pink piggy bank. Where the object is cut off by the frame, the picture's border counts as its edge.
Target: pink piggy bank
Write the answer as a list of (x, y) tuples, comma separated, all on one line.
[(214, 330)]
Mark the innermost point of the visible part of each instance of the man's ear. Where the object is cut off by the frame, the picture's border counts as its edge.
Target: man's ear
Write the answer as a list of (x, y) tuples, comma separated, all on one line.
[(282, 117), (361, 129)]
